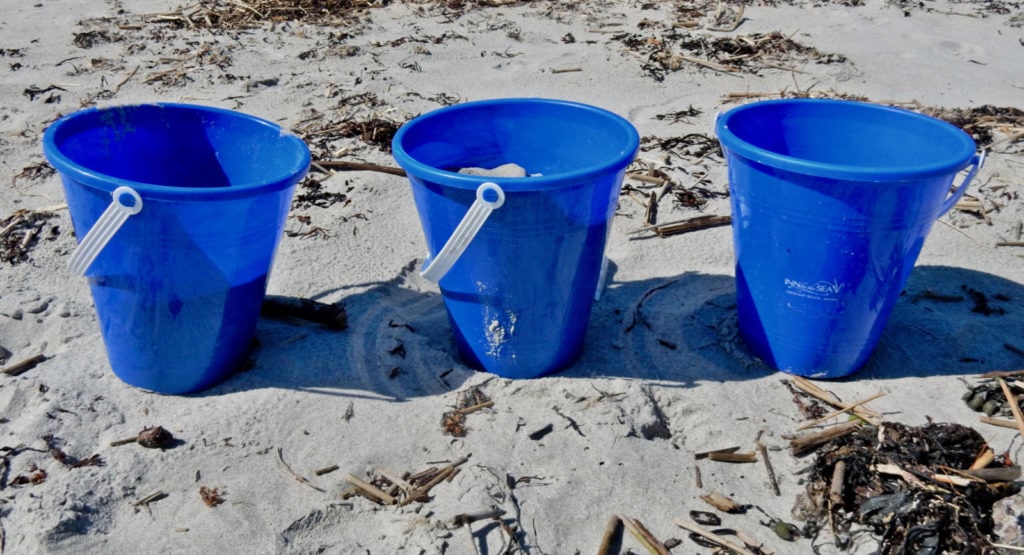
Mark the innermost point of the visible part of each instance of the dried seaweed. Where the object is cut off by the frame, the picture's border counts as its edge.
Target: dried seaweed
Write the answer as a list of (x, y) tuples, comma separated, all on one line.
[(890, 484), (982, 122), (21, 231), (674, 51)]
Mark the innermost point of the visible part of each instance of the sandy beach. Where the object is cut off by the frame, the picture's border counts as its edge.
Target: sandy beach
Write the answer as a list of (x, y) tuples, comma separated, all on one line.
[(266, 461)]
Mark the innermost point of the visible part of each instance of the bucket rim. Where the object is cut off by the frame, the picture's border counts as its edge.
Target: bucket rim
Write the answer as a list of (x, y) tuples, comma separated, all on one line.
[(418, 170), (97, 180), (965, 151)]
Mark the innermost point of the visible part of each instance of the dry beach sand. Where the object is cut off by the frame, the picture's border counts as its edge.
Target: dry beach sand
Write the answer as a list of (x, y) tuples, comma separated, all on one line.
[(663, 375)]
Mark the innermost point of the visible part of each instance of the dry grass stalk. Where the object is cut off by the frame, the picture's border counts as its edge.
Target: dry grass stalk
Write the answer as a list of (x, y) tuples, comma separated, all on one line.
[(732, 457), (835, 491), (763, 451), (802, 444), (1014, 407), (610, 531), (984, 459), (685, 226), (644, 536), (372, 491), (706, 454), (711, 537), (836, 413), (722, 503), (345, 165), (479, 406), (869, 416), (1002, 423)]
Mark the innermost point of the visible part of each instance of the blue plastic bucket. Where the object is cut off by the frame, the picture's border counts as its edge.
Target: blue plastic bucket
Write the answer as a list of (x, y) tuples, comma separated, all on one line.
[(178, 287), (831, 204), (519, 297)]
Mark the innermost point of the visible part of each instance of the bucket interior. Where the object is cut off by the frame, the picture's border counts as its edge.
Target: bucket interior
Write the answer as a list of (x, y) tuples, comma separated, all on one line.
[(845, 139), (168, 145), (558, 140)]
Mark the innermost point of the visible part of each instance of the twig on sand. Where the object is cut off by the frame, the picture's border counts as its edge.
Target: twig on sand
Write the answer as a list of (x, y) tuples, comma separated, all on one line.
[(802, 444), (711, 537), (847, 408), (345, 165), (24, 366), (611, 531), (686, 226), (1014, 407), (869, 416), (372, 491), (301, 479), (644, 536), (763, 451)]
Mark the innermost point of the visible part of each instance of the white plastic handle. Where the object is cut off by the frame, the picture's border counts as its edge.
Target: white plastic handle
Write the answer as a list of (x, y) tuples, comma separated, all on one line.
[(104, 229), (464, 233), (976, 164)]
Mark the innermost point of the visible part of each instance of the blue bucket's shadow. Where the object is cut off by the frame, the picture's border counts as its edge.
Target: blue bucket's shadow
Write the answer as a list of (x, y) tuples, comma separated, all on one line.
[(678, 330), (397, 345), (683, 329)]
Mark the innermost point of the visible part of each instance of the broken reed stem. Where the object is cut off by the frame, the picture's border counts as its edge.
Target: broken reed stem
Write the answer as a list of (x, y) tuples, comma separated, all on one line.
[(644, 536), (803, 444), (301, 479), (474, 408), (1003, 374), (835, 492), (1014, 407), (706, 454), (345, 165), (685, 226), (1002, 423), (763, 451), (469, 518), (869, 416), (1010, 244), (833, 414), (406, 486), (611, 530), (984, 459), (24, 366), (326, 470), (371, 490), (711, 537), (732, 457), (125, 441), (155, 496), (697, 479)]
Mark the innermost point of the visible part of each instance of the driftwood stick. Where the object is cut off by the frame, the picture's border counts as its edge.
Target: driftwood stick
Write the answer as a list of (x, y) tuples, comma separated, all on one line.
[(763, 451), (474, 408), (1003, 374), (372, 491), (685, 226), (1001, 422), (732, 457), (345, 165), (301, 479), (835, 492), (326, 470), (1014, 407), (468, 518), (707, 454), (644, 536), (711, 537), (611, 531), (20, 368), (802, 444)]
